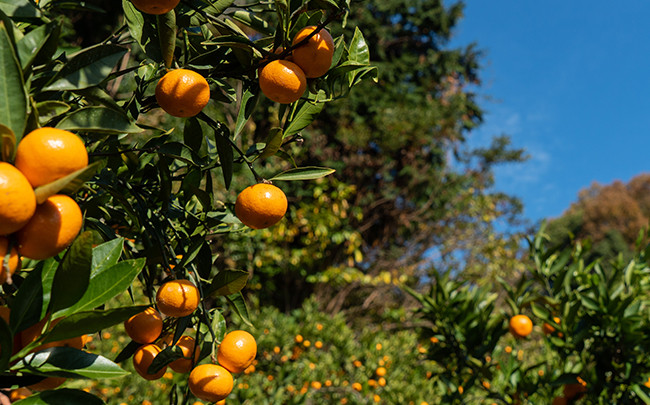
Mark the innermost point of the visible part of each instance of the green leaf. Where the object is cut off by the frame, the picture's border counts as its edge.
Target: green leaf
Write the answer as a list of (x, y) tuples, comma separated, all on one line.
[(238, 305), (29, 47), (218, 326), (224, 150), (303, 173), (228, 282), (99, 119), (68, 184), (166, 24), (86, 322), (19, 9), (67, 361), (27, 305), (105, 255), (7, 144), (128, 351), (72, 277), (50, 109), (247, 103), (305, 116), (252, 20), (142, 30), (63, 396), (106, 284), (162, 359), (358, 51), (88, 68), (273, 143), (13, 113), (540, 311)]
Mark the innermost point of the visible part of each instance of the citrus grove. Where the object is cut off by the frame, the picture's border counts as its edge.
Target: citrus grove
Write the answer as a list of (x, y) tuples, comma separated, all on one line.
[(144, 159), (117, 164)]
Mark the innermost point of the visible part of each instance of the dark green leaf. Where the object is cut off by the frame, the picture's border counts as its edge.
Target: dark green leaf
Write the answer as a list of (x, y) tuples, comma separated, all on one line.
[(228, 282), (6, 344), (19, 9), (128, 351), (68, 184), (27, 305), (73, 275), (273, 143), (238, 305), (50, 109), (218, 325), (13, 113), (224, 149), (303, 173), (305, 116), (70, 361), (105, 255), (247, 104), (166, 24), (99, 119), (29, 47), (162, 359), (87, 322)]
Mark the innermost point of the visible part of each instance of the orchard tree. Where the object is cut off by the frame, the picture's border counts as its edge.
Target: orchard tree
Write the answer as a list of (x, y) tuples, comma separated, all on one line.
[(410, 193), (118, 158)]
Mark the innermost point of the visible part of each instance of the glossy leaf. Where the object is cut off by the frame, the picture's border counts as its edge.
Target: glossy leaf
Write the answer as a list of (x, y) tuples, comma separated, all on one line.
[(68, 184), (27, 305), (273, 143), (72, 277), (50, 109), (303, 173), (105, 255), (247, 103), (13, 113), (238, 305), (30, 46), (70, 361), (99, 119), (228, 282), (19, 9), (306, 114), (166, 24)]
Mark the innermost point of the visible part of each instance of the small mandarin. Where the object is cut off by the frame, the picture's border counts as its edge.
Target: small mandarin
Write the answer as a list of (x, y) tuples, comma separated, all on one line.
[(237, 351), (52, 228), (184, 365), (520, 326), (548, 328), (282, 81), (182, 93), (48, 154), (315, 56), (144, 327), (143, 358), (177, 298), (210, 382), (17, 199), (261, 205)]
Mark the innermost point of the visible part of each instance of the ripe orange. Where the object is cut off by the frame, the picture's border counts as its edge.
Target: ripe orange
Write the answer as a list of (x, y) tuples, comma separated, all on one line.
[(260, 205), (237, 351), (177, 298), (17, 199), (521, 326), (315, 56), (282, 81), (548, 328), (143, 358), (47, 154), (182, 93), (210, 382), (49, 383), (144, 327), (19, 393), (186, 343), (381, 371), (7, 267), (53, 227), (155, 6)]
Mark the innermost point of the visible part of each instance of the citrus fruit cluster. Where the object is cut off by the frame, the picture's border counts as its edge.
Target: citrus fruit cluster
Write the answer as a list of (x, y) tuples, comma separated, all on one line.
[(38, 230), (285, 80), (210, 382)]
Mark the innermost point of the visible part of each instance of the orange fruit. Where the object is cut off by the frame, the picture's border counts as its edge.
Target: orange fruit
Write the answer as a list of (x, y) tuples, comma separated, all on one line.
[(282, 81), (144, 327), (47, 154), (521, 326), (210, 382), (52, 228), (156, 7), (315, 56), (177, 298), (182, 93), (143, 358), (17, 199), (7, 265), (261, 205), (356, 386), (49, 383), (184, 365), (381, 371), (19, 393), (548, 328), (237, 351)]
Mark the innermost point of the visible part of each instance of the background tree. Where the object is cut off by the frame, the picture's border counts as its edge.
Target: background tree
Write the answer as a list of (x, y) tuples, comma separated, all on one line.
[(410, 192)]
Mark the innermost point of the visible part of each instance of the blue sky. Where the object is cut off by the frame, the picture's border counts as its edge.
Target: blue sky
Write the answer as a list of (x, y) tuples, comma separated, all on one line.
[(569, 81)]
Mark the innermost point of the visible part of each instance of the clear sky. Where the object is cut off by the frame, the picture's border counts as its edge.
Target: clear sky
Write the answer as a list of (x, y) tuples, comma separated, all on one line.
[(569, 81)]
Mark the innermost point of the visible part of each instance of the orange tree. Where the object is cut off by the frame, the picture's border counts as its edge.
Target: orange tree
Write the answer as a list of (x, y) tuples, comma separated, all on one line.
[(149, 191)]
